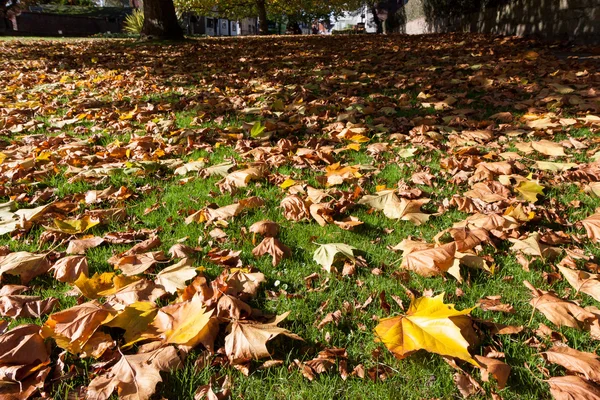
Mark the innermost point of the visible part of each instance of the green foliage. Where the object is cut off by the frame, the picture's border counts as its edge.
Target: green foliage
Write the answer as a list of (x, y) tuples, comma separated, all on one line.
[(134, 22)]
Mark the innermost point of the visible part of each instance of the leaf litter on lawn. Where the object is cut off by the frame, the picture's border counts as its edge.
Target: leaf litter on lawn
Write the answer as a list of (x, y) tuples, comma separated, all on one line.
[(472, 155)]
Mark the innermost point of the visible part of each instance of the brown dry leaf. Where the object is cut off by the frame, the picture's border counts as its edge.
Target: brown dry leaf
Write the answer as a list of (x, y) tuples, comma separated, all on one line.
[(592, 227), (248, 340), (348, 224), (180, 250), (499, 370), (24, 264), (560, 312), (533, 246), (294, 208), (240, 178), (68, 269), (429, 261), (135, 264), (274, 247), (548, 148), (23, 357), (26, 306), (572, 387), (586, 364), (244, 284), (174, 277), (73, 327), (265, 228), (582, 281), (396, 208), (79, 246), (134, 376)]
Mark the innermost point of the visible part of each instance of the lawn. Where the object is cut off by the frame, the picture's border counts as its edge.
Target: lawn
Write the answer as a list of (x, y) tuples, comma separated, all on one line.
[(486, 146)]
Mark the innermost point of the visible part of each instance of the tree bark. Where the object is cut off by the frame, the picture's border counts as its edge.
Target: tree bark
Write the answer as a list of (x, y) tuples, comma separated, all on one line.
[(378, 23), (160, 21), (263, 27)]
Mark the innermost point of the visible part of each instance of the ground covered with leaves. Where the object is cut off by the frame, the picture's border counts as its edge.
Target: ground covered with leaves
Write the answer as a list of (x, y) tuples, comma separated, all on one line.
[(307, 218)]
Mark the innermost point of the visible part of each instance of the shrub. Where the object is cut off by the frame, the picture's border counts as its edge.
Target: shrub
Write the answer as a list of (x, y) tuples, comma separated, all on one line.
[(134, 22)]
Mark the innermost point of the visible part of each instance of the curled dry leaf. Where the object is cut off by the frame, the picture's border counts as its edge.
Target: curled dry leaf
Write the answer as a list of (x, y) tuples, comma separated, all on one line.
[(586, 364), (134, 376), (68, 269), (274, 247), (294, 208), (73, 327), (429, 325), (560, 312), (396, 208), (187, 323), (427, 260), (24, 264), (265, 228), (248, 340), (592, 227), (582, 281), (23, 360), (572, 387), (26, 306), (326, 254), (174, 277), (498, 369)]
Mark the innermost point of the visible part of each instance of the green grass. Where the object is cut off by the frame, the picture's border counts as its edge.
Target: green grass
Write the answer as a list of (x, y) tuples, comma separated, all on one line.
[(252, 83)]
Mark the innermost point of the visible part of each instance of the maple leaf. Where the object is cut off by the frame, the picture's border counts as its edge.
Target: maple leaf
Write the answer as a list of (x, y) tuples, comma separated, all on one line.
[(572, 387), (134, 376), (326, 254), (592, 227), (23, 360), (24, 264), (529, 190), (187, 323), (73, 327), (135, 264), (560, 312), (68, 269), (396, 208), (248, 340), (427, 260), (582, 281), (134, 320), (266, 228), (294, 208), (26, 306), (274, 247), (104, 284), (548, 148), (173, 278), (429, 325), (75, 226), (586, 364)]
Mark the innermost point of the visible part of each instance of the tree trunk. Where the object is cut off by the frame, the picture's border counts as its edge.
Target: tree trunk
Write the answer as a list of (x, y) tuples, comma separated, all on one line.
[(263, 27), (160, 21), (378, 23)]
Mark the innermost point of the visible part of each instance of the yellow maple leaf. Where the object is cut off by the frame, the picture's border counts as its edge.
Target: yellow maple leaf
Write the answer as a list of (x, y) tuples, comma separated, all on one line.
[(428, 325), (75, 226), (529, 190)]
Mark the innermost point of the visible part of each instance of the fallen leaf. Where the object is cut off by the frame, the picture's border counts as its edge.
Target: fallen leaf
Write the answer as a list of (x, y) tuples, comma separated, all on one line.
[(274, 247), (248, 340), (135, 376), (326, 254), (429, 325), (173, 278)]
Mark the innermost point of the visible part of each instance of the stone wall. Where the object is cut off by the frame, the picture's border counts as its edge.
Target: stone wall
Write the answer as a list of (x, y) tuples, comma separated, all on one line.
[(577, 20)]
